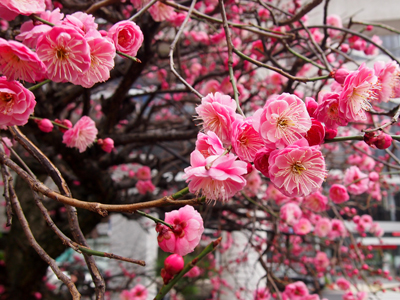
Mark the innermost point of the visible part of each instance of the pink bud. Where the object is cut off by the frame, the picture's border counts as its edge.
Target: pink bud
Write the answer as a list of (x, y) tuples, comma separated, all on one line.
[(356, 219), (369, 28), (345, 48), (66, 123), (311, 105), (330, 133), (340, 75), (45, 125), (316, 134), (365, 267), (373, 176), (173, 264), (261, 160), (107, 145), (383, 141)]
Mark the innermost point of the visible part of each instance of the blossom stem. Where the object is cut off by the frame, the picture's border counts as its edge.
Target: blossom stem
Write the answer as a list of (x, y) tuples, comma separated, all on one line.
[(36, 86), (157, 220), (54, 123), (130, 57), (180, 193), (41, 20), (345, 138), (167, 287), (110, 255)]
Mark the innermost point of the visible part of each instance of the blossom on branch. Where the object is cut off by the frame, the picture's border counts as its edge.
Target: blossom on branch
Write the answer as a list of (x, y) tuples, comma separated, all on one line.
[(127, 37), (82, 135)]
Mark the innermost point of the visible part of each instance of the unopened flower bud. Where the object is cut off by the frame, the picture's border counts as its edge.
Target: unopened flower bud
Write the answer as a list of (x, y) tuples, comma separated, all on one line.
[(107, 144), (173, 264), (66, 123), (311, 105), (330, 133), (383, 141), (340, 75), (45, 125)]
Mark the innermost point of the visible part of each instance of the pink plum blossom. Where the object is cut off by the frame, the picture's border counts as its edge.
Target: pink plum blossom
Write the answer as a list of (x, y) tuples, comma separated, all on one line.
[(102, 52), (16, 103), (283, 120), (139, 292), (338, 193), (302, 227), (9, 9), (209, 144), (161, 12), (81, 20), (107, 144), (322, 227), (219, 177), (358, 89), (328, 111), (186, 233), (65, 52), (343, 284), (321, 261), (127, 37), (143, 173), (290, 213), (296, 291), (245, 140), (388, 78), (217, 111), (18, 62), (338, 229), (82, 135), (315, 202), (262, 293), (297, 170), (356, 181), (145, 186)]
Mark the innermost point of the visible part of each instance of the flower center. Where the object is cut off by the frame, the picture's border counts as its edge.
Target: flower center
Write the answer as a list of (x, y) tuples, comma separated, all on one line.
[(61, 54), (298, 167), (6, 97), (178, 228)]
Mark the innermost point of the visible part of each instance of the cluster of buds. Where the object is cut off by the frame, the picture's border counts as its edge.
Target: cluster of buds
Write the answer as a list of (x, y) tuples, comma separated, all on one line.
[(173, 264)]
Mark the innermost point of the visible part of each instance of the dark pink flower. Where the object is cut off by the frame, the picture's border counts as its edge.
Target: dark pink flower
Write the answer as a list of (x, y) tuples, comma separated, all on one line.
[(188, 228), (82, 135), (127, 37), (16, 103), (107, 144), (340, 75), (338, 193), (316, 134), (302, 227), (261, 160), (143, 173), (18, 62), (65, 52), (145, 186), (297, 170), (328, 111), (245, 140)]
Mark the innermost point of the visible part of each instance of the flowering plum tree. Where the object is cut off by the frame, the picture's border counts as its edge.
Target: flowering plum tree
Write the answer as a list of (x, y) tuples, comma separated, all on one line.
[(219, 116)]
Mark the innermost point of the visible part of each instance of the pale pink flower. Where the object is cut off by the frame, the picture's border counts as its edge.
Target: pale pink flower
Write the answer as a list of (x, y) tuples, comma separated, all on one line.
[(338, 229), (245, 140), (18, 62), (16, 103), (322, 227), (127, 37), (334, 20), (328, 111), (362, 296), (218, 177), (82, 135), (297, 171), (65, 52), (388, 78), (343, 284), (81, 20), (253, 183), (375, 229), (302, 227), (358, 89), (161, 12), (272, 193), (290, 213), (188, 228), (296, 291), (145, 186), (262, 293), (284, 120), (356, 181), (315, 202), (102, 52), (372, 49), (209, 144), (218, 113), (143, 173), (338, 193), (194, 272), (9, 9)]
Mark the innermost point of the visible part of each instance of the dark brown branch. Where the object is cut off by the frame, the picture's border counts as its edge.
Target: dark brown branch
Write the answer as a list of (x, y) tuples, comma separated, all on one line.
[(301, 13)]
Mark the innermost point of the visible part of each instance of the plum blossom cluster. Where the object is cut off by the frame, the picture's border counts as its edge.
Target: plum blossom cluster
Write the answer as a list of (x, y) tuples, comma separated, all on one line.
[(275, 139)]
